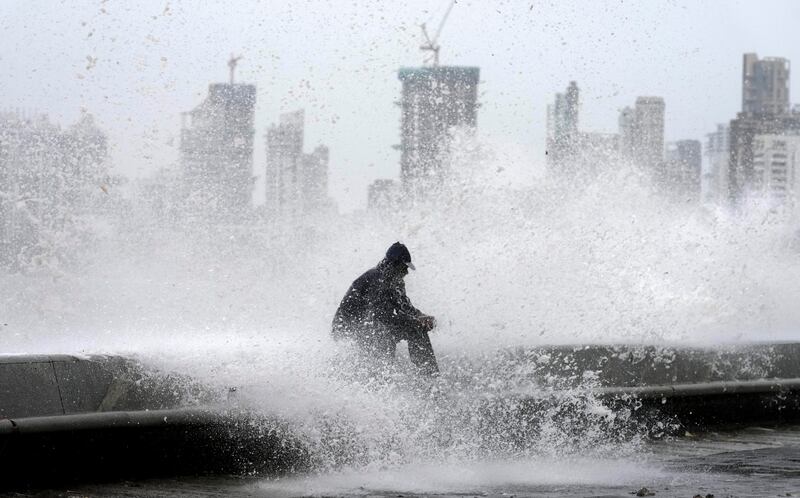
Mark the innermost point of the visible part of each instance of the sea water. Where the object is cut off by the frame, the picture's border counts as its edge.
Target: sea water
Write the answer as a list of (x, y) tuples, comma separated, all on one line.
[(248, 304)]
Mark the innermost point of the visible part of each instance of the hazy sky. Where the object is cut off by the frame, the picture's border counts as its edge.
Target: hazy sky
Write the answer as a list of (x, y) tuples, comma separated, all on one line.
[(339, 61)]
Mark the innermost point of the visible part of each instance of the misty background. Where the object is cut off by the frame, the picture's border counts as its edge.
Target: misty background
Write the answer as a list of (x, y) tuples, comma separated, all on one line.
[(137, 66)]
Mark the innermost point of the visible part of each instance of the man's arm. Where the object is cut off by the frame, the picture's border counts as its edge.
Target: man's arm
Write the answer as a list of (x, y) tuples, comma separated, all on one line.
[(396, 310)]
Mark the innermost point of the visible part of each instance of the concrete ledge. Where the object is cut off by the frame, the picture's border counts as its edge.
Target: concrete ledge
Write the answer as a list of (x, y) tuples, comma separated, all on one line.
[(632, 365), (37, 386), (108, 420), (711, 405), (66, 419), (762, 386), (29, 388)]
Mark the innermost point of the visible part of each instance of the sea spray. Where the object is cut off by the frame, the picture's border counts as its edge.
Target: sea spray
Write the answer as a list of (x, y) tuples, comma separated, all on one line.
[(249, 305)]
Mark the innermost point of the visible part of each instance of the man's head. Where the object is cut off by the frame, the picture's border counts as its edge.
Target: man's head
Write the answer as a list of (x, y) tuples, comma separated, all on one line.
[(399, 257)]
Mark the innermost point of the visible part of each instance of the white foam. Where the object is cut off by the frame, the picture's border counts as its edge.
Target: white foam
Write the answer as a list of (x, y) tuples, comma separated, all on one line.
[(469, 477)]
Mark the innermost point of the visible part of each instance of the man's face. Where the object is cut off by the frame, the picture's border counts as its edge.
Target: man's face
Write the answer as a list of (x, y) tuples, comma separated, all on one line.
[(402, 270)]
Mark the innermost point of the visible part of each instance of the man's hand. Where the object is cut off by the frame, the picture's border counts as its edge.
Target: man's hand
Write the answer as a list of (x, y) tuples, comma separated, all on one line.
[(427, 322)]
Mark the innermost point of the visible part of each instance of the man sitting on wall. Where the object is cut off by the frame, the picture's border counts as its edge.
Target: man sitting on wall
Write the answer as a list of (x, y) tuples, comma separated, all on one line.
[(376, 314)]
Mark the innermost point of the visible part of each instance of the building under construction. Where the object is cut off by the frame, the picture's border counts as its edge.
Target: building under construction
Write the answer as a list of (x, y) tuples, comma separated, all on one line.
[(217, 150), (435, 102)]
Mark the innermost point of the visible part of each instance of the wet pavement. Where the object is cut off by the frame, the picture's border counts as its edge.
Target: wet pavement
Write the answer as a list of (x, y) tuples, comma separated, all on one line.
[(754, 462)]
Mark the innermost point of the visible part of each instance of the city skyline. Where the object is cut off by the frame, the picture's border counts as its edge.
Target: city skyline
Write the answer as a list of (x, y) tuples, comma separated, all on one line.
[(136, 91)]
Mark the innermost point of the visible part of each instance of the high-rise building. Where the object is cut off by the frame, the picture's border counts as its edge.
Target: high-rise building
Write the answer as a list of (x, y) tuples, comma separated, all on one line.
[(435, 101), (627, 132), (743, 132), (683, 165), (562, 128), (776, 159), (765, 111), (284, 160), (765, 85), (314, 179), (717, 152), (650, 131), (295, 182), (641, 131), (217, 150)]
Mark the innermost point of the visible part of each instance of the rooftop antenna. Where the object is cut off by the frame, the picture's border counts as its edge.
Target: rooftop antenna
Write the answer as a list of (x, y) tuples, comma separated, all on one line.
[(232, 65), (430, 43)]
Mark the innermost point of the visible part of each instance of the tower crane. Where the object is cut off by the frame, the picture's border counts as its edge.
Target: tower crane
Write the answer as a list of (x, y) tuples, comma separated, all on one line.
[(232, 65), (430, 43)]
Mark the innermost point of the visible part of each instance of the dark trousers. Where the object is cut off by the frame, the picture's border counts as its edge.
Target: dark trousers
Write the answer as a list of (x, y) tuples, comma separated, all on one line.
[(420, 351), (381, 345)]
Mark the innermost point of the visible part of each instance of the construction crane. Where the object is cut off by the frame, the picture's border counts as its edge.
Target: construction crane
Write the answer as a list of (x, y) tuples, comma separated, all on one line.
[(232, 65), (430, 44)]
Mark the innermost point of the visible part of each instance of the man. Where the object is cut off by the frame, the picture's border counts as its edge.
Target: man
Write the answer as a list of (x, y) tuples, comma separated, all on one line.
[(376, 314)]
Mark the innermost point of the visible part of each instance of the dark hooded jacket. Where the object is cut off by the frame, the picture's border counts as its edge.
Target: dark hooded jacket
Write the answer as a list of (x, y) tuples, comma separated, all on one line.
[(375, 312)]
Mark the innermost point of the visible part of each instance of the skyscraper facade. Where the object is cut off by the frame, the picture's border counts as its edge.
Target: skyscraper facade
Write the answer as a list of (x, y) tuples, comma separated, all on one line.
[(627, 131), (765, 85), (776, 159), (717, 152), (765, 111), (641, 131), (296, 182), (649, 150), (314, 180), (284, 160), (217, 150), (435, 102), (562, 128), (683, 165)]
